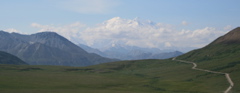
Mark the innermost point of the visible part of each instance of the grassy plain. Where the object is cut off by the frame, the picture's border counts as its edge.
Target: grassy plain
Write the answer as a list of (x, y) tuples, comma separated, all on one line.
[(137, 76)]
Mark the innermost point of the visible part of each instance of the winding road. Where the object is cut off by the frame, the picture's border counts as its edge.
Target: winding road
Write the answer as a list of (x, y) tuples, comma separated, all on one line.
[(231, 84)]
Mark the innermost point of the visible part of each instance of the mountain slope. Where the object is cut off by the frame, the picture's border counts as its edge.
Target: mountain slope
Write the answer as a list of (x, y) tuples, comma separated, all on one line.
[(224, 47), (91, 50), (6, 58), (230, 38), (47, 48), (220, 55)]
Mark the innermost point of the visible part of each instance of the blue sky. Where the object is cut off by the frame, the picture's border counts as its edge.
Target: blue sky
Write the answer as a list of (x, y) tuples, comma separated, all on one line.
[(19, 15)]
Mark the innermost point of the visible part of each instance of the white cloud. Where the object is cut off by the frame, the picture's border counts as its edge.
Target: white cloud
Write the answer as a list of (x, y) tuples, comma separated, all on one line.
[(89, 6), (147, 34), (185, 23), (10, 30), (70, 31), (124, 31), (198, 37), (228, 27), (167, 44), (135, 32)]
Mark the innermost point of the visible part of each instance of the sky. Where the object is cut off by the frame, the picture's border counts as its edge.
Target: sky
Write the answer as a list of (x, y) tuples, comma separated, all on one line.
[(147, 23)]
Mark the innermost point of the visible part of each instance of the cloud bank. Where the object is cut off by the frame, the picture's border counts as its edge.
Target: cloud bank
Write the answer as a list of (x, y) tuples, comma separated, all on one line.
[(69, 31), (135, 32), (185, 23), (11, 30), (145, 33)]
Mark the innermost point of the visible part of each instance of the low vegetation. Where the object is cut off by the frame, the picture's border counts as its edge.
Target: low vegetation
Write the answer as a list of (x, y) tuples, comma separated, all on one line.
[(218, 57), (138, 76)]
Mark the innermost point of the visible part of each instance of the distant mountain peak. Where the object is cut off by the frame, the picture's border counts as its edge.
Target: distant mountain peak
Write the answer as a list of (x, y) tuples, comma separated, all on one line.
[(118, 22), (47, 33), (2, 33), (231, 37), (47, 37), (47, 48)]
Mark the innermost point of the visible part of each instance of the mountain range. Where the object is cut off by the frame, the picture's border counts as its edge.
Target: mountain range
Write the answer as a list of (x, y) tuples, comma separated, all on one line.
[(125, 52), (221, 58), (47, 48)]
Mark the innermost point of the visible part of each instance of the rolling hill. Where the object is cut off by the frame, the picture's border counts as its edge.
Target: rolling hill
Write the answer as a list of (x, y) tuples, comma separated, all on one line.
[(6, 58), (220, 55)]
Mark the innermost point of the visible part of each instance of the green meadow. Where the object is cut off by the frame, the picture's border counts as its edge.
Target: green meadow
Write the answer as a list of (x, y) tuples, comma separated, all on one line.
[(137, 76)]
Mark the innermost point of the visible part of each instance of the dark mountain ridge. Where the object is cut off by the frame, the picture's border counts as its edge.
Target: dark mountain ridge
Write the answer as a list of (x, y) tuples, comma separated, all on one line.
[(223, 53), (231, 37), (47, 48), (6, 58), (230, 42)]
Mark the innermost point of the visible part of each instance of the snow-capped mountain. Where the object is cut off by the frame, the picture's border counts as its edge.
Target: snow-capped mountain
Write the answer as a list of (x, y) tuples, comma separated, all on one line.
[(134, 32), (128, 39)]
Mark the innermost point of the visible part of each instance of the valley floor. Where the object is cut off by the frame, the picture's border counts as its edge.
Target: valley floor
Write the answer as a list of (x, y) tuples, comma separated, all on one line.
[(139, 76)]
